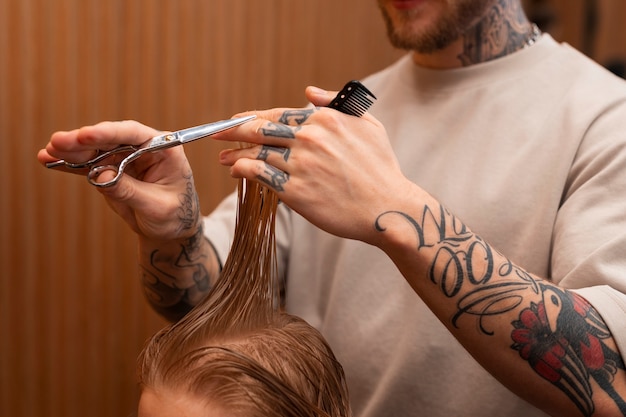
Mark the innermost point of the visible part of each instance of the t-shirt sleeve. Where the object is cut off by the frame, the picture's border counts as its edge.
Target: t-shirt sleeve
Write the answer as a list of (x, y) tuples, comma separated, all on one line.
[(611, 304)]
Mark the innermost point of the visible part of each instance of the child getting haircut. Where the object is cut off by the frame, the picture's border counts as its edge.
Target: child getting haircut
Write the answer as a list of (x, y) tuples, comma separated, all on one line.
[(237, 353)]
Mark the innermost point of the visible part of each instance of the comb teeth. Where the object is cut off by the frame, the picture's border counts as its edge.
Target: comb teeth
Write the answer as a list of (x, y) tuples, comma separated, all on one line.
[(353, 99)]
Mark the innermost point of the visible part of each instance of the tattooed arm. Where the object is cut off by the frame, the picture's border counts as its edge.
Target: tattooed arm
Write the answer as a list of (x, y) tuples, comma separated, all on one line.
[(547, 344), (177, 274), (158, 201)]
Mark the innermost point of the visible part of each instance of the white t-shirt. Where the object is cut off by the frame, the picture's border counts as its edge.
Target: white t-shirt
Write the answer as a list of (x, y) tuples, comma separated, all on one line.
[(529, 151)]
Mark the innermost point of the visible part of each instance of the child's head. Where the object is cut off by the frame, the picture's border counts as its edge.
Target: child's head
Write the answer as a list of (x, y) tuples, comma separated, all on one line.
[(283, 369), (236, 354)]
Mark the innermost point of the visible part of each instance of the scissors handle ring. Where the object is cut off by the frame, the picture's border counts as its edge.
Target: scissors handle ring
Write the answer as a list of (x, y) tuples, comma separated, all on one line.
[(95, 172)]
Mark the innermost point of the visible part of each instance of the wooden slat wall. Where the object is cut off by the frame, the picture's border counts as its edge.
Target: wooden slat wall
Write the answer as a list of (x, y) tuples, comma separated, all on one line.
[(607, 42), (72, 315)]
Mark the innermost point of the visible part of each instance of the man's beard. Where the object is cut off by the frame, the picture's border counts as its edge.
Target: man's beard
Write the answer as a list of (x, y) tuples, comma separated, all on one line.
[(440, 34), (425, 42)]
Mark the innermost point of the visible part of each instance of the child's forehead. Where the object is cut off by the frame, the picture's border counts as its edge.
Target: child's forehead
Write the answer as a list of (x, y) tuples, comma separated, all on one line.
[(165, 403)]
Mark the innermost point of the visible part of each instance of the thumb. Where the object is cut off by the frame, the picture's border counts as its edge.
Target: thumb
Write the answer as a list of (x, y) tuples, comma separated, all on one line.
[(319, 97), (122, 190)]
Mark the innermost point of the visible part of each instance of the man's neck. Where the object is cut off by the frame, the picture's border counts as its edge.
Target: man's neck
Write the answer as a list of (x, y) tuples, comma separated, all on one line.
[(502, 31)]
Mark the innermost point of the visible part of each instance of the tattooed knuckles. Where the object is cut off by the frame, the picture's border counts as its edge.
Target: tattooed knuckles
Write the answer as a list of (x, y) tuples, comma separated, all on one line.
[(277, 130), (319, 161)]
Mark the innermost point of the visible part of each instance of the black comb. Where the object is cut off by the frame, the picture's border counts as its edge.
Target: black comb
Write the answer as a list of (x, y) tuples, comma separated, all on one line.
[(353, 99)]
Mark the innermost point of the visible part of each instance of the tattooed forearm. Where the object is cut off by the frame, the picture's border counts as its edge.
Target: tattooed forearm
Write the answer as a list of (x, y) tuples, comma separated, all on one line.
[(463, 266), (177, 274), (174, 283), (563, 338), (559, 334)]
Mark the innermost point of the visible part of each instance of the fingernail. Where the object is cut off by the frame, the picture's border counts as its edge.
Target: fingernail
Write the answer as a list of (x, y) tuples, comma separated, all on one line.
[(318, 91)]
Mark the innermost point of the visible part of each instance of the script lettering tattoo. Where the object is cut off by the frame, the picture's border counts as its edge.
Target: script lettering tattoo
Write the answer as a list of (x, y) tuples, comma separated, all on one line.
[(274, 178), (267, 149), (503, 30), (562, 337), (189, 206)]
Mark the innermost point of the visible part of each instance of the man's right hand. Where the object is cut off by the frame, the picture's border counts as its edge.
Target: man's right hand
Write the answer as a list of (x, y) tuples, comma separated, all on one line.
[(156, 195)]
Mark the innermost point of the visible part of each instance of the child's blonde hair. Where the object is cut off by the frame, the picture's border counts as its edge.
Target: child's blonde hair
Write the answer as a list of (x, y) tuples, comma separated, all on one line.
[(237, 350)]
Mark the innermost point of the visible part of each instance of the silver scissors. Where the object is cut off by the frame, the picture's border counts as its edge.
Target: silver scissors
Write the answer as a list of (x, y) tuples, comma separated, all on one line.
[(157, 143)]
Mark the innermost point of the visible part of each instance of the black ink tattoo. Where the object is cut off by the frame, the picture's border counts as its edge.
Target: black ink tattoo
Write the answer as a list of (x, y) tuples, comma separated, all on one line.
[(459, 267), (289, 118), (266, 150), (161, 275), (297, 116), (274, 178), (561, 337), (168, 301), (161, 279), (502, 31), (189, 206), (278, 130)]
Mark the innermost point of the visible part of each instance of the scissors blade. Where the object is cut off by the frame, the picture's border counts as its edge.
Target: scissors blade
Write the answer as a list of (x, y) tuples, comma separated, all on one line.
[(199, 132), (158, 142)]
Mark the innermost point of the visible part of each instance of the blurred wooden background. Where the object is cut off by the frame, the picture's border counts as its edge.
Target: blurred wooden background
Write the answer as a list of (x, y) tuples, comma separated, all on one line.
[(72, 315)]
